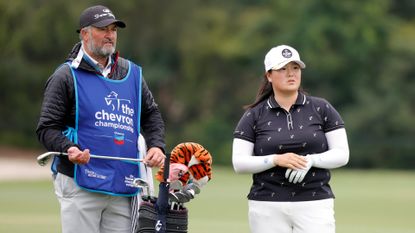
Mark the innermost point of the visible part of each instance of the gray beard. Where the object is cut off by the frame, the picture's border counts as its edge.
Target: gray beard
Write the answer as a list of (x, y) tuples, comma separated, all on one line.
[(100, 51)]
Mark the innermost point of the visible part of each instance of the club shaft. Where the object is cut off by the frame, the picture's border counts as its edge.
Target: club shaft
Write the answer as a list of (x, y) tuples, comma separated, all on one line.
[(107, 157)]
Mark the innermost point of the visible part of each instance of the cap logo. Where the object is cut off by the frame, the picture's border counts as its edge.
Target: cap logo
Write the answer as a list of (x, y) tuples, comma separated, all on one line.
[(286, 53), (107, 12)]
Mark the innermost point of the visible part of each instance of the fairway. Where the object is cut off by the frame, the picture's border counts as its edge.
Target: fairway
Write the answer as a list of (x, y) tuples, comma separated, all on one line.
[(366, 202)]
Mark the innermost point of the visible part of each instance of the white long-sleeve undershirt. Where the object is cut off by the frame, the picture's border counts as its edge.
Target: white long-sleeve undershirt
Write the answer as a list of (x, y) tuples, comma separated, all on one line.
[(337, 155)]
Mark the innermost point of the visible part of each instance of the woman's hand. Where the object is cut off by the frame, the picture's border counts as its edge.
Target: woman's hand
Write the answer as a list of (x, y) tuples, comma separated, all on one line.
[(297, 176), (290, 160)]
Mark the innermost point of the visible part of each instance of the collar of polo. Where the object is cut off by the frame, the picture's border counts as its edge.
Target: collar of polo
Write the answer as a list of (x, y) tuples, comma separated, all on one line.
[(301, 99)]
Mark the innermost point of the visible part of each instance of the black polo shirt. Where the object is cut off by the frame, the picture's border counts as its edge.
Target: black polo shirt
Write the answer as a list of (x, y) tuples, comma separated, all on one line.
[(302, 130)]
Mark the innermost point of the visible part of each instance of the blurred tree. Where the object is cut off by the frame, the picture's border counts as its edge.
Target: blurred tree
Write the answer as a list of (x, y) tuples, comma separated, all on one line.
[(204, 60)]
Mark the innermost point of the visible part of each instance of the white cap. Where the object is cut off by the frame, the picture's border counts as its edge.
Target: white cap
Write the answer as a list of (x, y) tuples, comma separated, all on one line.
[(280, 56)]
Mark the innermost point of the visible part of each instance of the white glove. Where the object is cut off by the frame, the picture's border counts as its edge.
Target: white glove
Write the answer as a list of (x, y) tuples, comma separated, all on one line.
[(297, 176)]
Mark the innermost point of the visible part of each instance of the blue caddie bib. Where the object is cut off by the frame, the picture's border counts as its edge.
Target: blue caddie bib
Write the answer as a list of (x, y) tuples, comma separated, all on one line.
[(107, 123)]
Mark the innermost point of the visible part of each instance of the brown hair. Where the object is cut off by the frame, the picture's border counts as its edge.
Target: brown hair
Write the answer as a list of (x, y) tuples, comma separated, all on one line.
[(265, 91)]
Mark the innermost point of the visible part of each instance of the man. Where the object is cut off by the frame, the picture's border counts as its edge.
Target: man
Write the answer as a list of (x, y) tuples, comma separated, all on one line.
[(97, 102)]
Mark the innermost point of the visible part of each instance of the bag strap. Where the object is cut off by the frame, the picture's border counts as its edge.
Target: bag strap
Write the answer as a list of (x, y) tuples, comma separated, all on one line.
[(162, 204), (166, 167)]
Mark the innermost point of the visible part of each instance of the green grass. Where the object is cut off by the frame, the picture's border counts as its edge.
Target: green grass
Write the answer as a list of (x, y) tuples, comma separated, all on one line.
[(375, 201), (28, 207), (366, 202)]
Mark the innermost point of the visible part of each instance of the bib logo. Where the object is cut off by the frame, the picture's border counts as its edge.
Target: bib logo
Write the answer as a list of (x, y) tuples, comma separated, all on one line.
[(118, 138), (112, 100), (118, 114)]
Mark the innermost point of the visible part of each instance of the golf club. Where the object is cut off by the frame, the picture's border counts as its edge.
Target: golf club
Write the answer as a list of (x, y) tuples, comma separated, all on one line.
[(184, 195), (140, 183), (44, 158)]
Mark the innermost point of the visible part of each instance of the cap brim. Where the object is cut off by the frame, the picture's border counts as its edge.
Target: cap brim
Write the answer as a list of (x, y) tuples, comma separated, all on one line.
[(282, 64), (107, 22)]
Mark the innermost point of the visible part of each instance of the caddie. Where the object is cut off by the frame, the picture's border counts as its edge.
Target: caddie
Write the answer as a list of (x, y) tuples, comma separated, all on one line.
[(98, 102)]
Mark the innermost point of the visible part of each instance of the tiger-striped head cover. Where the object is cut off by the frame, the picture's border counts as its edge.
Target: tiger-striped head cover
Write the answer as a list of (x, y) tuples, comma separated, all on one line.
[(196, 158)]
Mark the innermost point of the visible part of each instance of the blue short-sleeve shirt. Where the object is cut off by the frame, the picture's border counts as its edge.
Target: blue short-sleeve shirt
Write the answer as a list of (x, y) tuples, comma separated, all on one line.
[(302, 130)]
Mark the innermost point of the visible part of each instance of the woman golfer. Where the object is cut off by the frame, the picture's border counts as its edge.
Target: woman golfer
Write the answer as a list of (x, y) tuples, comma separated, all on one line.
[(289, 140)]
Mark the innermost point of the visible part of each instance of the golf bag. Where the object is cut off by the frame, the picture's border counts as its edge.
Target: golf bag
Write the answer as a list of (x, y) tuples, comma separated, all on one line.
[(176, 220), (157, 216)]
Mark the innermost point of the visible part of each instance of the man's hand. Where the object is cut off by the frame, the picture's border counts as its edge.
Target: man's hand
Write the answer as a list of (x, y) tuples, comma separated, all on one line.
[(155, 157), (77, 156)]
